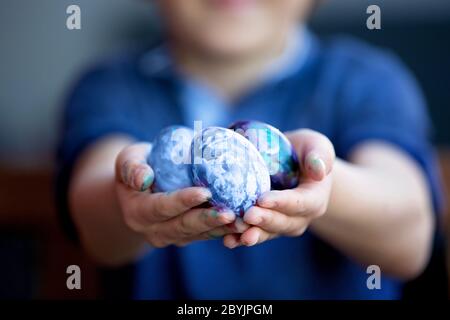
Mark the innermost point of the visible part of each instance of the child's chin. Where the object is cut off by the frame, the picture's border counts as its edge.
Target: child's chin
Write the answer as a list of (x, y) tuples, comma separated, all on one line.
[(232, 45)]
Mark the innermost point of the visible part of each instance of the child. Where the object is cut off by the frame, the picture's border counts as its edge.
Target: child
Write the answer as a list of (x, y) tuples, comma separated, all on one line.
[(224, 60)]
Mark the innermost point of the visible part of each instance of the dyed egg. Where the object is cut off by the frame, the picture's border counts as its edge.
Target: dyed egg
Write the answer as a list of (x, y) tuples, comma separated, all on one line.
[(170, 159), (276, 150), (231, 167)]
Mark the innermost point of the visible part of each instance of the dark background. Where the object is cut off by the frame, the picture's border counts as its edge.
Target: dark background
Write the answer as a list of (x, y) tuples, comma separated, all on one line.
[(40, 58)]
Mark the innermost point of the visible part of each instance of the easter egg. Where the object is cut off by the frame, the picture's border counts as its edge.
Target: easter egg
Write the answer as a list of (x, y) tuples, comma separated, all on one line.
[(276, 150), (231, 167), (170, 159)]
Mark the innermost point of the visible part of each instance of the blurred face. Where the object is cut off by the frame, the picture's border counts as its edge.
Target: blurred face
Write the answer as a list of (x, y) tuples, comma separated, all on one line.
[(231, 28)]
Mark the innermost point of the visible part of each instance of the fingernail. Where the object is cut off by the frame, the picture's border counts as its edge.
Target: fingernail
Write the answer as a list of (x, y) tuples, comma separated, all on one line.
[(239, 225), (235, 245), (256, 241), (147, 181), (206, 194), (266, 201), (250, 244), (229, 216), (214, 213), (316, 164)]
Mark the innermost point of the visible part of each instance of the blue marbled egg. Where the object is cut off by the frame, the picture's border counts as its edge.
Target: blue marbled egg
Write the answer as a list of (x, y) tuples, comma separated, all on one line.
[(276, 150), (170, 159), (231, 167)]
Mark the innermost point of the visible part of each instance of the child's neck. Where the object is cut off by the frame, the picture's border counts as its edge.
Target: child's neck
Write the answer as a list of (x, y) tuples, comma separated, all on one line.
[(228, 77)]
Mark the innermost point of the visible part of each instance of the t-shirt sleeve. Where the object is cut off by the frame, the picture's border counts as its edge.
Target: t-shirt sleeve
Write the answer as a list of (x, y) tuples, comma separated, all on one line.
[(383, 101), (97, 106)]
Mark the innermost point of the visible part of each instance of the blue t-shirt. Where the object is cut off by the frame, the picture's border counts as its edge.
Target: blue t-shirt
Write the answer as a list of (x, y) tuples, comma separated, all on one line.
[(345, 89)]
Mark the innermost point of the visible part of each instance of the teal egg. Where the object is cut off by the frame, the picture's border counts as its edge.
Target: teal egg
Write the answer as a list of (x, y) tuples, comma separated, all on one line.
[(276, 150)]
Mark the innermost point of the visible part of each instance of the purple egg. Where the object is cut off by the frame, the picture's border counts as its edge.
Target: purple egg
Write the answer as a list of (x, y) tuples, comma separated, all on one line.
[(231, 167), (276, 150), (170, 159)]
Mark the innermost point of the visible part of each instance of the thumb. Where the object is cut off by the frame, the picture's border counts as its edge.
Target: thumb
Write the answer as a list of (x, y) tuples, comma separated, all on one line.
[(132, 168), (315, 152)]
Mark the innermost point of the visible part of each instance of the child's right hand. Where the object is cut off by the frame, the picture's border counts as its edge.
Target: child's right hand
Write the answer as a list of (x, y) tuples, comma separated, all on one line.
[(166, 218)]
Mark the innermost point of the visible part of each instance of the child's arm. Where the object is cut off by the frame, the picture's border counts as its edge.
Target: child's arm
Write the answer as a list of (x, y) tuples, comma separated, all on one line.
[(115, 214), (375, 208), (380, 210)]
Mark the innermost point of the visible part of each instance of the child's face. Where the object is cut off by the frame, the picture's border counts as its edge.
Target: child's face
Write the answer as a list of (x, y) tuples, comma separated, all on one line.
[(231, 28)]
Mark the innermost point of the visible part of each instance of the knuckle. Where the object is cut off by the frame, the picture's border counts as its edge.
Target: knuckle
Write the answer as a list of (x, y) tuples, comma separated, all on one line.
[(155, 238), (182, 227), (160, 207), (184, 200), (185, 225), (209, 223)]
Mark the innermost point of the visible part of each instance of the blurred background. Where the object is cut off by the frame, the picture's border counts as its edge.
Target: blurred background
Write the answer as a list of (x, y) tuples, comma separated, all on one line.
[(39, 60)]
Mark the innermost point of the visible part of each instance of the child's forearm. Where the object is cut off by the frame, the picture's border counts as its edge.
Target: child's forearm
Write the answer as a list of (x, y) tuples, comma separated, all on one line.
[(379, 213), (95, 208)]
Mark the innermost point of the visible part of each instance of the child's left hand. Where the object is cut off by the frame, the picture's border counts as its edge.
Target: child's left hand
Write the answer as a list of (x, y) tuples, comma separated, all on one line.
[(289, 212)]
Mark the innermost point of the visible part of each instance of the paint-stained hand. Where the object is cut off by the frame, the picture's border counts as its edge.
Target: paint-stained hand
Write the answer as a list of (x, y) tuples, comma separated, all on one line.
[(289, 212), (166, 218)]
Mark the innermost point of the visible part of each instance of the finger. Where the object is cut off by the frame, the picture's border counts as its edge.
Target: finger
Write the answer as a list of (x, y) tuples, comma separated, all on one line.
[(314, 166), (274, 221), (239, 226), (196, 222), (132, 168), (150, 208), (217, 233), (315, 151), (255, 235), (232, 240), (307, 198)]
